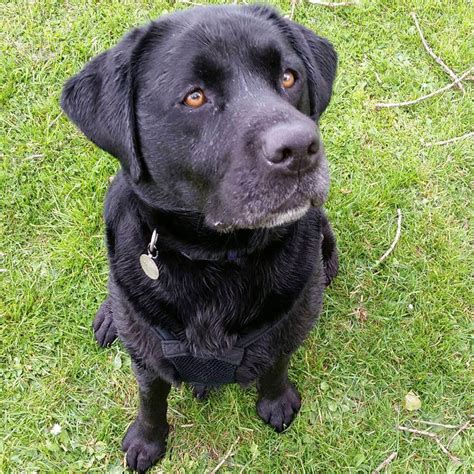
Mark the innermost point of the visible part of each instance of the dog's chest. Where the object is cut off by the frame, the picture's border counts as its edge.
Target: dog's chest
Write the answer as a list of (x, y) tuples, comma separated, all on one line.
[(210, 299), (208, 295), (212, 302)]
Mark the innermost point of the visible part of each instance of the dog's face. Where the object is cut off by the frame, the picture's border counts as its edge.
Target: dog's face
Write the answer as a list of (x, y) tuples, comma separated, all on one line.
[(213, 111)]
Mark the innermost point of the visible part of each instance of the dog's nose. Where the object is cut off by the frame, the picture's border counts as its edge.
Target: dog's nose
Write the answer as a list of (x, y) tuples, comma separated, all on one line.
[(292, 148)]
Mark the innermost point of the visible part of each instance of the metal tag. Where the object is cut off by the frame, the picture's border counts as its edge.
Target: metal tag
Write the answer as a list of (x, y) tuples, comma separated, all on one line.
[(149, 266)]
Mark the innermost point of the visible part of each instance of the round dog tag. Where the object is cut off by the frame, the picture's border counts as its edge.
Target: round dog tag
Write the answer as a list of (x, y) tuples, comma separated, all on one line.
[(149, 266)]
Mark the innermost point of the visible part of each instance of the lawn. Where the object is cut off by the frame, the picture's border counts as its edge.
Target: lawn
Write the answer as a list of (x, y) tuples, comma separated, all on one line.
[(386, 330)]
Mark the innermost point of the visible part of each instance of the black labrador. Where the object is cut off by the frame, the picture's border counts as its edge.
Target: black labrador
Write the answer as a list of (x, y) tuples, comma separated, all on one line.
[(219, 249)]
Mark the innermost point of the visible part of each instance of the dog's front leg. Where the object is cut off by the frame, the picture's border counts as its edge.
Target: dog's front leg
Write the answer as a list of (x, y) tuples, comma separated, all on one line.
[(105, 331), (145, 440), (329, 250), (278, 400)]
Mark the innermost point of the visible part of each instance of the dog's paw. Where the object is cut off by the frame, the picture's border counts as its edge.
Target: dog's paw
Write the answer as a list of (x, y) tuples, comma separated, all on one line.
[(105, 331), (143, 449), (331, 267), (280, 411), (201, 392)]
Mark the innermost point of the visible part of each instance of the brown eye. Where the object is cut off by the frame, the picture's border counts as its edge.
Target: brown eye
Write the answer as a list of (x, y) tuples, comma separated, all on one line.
[(195, 99), (288, 79)]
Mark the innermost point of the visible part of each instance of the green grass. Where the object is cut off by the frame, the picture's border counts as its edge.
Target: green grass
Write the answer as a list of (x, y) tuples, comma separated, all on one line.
[(385, 331)]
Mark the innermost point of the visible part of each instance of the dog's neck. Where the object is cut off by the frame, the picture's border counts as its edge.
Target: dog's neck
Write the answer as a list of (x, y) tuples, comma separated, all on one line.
[(187, 233)]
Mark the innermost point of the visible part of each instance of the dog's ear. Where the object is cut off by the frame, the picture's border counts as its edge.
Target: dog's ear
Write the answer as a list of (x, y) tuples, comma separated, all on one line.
[(100, 101), (318, 55), (320, 60)]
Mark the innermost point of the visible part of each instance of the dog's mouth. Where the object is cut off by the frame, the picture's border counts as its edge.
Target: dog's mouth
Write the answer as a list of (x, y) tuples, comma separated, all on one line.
[(284, 214), (253, 201)]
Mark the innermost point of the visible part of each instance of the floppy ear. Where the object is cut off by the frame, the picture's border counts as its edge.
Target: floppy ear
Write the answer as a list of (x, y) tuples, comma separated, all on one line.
[(320, 60), (318, 55), (100, 101)]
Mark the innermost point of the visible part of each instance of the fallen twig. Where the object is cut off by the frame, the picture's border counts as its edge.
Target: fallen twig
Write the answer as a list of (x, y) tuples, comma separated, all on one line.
[(453, 458), (418, 432), (395, 240), (432, 436), (54, 120), (385, 463), (463, 427), (293, 8), (333, 4), (196, 4), (176, 412), (226, 456), (433, 423), (446, 68), (381, 105), (451, 140)]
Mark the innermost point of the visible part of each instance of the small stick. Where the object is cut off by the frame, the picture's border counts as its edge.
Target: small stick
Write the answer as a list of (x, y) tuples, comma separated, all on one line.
[(395, 240), (332, 4), (436, 92), (432, 436), (54, 120), (453, 458), (418, 432), (293, 8), (449, 71), (460, 430), (384, 464), (451, 140), (226, 456), (191, 3), (176, 412), (441, 425)]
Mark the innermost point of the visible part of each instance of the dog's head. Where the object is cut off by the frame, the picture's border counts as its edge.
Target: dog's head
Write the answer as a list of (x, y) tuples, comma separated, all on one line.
[(212, 110)]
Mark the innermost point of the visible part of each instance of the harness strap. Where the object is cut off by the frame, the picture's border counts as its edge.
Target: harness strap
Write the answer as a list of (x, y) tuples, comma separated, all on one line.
[(251, 337), (208, 370), (174, 345)]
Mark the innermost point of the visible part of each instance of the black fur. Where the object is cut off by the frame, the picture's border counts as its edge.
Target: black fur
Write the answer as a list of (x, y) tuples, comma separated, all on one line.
[(202, 179)]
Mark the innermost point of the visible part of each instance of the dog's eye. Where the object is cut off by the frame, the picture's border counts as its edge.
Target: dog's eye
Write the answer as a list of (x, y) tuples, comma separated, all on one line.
[(195, 99), (288, 79)]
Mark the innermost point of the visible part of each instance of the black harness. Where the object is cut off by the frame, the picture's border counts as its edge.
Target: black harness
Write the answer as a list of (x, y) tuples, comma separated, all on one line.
[(220, 368), (216, 370)]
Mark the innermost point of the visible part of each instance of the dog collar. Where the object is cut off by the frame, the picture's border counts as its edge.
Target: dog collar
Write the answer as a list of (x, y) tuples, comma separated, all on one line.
[(150, 267), (230, 255)]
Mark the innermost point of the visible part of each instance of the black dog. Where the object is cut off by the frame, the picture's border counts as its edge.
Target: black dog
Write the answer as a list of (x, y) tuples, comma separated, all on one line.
[(219, 250)]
